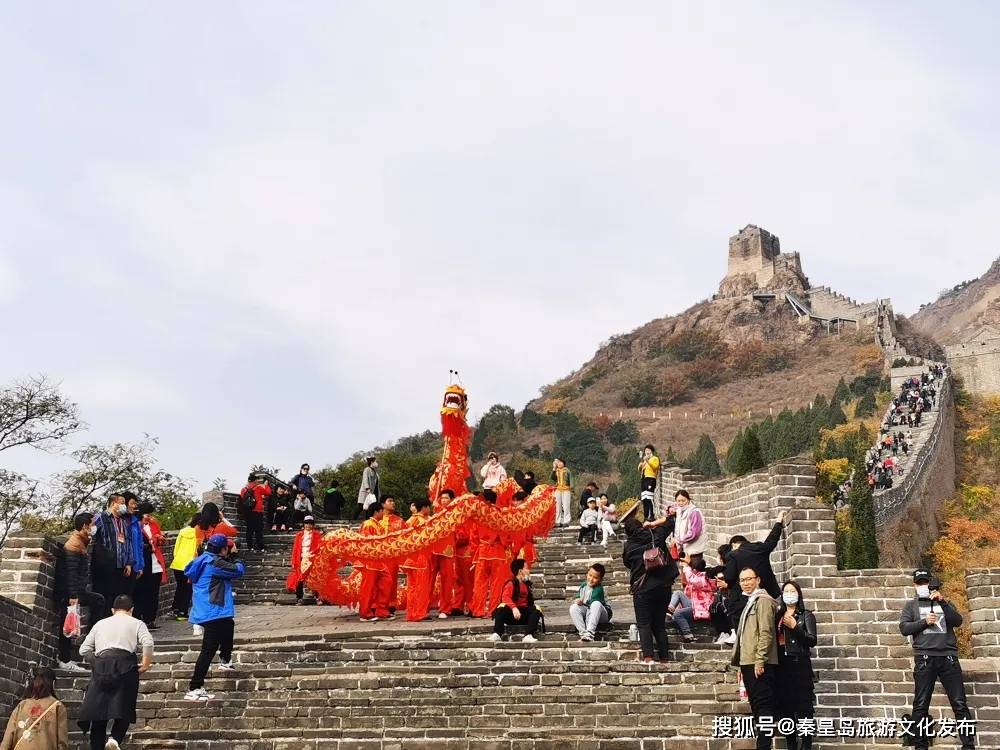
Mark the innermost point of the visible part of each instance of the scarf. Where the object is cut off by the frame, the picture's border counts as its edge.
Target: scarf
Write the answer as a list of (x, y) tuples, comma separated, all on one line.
[(743, 618)]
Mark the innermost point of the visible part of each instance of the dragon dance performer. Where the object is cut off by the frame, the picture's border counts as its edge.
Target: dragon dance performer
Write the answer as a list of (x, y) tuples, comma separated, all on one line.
[(443, 566), (376, 583), (491, 564), (390, 523), (417, 567)]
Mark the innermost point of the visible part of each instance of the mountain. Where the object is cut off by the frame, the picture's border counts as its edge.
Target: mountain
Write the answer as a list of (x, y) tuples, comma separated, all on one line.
[(964, 310)]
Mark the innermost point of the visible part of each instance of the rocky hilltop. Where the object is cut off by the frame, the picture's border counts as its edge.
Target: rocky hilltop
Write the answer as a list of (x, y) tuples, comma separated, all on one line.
[(963, 312)]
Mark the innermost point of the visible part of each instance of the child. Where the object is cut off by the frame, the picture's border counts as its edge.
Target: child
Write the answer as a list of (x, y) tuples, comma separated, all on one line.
[(591, 609), (608, 517), (185, 550), (38, 721), (517, 605), (696, 600), (305, 547), (588, 522)]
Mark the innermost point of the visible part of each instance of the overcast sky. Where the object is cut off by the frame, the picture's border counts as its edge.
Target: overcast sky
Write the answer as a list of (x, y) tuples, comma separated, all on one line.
[(265, 232)]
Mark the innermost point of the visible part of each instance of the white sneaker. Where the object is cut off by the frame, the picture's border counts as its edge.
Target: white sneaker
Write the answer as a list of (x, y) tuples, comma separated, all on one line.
[(731, 638), (442, 615), (71, 666), (529, 638), (227, 666), (112, 744), (198, 630), (496, 637), (198, 694), (722, 638)]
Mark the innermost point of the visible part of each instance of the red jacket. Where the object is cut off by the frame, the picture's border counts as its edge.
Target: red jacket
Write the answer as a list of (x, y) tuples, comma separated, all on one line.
[(157, 544), (523, 595), (260, 493)]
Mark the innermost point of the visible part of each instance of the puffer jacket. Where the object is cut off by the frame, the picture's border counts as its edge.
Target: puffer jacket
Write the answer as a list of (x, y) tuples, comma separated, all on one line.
[(211, 577)]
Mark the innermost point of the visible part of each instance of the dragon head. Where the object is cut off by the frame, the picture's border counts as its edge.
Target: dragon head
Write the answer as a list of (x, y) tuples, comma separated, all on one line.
[(455, 403)]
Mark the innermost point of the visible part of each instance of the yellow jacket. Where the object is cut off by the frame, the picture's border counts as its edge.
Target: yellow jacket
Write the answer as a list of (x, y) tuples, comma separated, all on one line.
[(185, 548)]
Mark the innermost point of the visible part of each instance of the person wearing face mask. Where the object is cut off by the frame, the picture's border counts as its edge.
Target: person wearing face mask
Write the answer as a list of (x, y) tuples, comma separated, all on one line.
[(138, 539), (756, 650), (368, 494), (930, 621), (517, 605), (796, 631), (76, 576), (113, 554)]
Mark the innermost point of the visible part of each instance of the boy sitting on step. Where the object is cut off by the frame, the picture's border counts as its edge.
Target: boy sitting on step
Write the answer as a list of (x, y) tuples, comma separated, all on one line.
[(590, 610), (588, 522), (517, 605)]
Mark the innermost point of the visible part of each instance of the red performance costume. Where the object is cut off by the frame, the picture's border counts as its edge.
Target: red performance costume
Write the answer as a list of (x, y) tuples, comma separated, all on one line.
[(303, 550), (418, 584), (376, 585)]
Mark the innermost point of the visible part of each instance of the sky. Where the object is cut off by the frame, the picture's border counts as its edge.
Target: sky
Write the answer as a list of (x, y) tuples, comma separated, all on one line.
[(264, 232)]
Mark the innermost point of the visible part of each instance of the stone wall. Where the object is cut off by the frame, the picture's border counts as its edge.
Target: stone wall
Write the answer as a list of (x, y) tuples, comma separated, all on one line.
[(982, 587), (897, 375), (978, 364), (752, 251)]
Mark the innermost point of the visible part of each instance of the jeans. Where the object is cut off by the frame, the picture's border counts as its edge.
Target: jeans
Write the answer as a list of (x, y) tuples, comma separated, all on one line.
[(760, 690), (678, 598), (564, 507), (218, 636), (650, 619), (588, 617), (99, 733), (927, 670)]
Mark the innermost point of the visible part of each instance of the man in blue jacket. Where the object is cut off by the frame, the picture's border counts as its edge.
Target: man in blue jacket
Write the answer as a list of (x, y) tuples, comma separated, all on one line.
[(211, 575)]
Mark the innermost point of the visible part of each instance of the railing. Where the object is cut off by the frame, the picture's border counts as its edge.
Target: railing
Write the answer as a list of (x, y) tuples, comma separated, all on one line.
[(889, 502)]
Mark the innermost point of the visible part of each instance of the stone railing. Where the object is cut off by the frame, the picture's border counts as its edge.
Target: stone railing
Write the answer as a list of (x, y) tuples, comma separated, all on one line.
[(889, 502)]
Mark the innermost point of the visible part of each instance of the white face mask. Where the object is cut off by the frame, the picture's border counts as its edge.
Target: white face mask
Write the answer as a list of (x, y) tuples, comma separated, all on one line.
[(790, 598), (122, 509), (923, 591)]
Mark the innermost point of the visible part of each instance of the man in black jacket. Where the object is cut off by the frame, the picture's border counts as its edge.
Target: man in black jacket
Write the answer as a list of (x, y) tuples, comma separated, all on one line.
[(755, 555), (76, 576), (931, 621)]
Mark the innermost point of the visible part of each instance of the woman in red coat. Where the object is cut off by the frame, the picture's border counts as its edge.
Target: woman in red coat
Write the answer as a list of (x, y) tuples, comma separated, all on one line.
[(154, 572), (305, 548)]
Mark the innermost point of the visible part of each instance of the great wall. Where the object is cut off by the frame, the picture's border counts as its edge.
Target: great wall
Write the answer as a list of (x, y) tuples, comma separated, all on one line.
[(315, 678)]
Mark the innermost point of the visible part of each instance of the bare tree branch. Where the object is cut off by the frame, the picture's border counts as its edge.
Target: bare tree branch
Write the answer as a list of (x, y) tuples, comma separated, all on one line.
[(33, 412)]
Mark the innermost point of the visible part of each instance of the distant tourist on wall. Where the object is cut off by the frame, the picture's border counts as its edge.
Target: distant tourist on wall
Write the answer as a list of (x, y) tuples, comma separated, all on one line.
[(756, 650), (78, 585), (930, 621), (185, 550), (279, 509), (114, 683), (38, 722), (796, 632), (649, 470), (563, 481), (147, 588), (368, 495), (302, 482), (650, 579), (113, 553), (333, 500), (211, 521), (253, 499), (591, 490), (492, 472)]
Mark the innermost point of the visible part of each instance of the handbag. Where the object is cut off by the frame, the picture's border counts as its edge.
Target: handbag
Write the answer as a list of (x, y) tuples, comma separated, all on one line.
[(653, 558), (718, 606)]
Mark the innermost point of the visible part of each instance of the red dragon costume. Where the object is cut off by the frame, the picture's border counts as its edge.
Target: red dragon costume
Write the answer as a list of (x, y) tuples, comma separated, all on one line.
[(460, 527)]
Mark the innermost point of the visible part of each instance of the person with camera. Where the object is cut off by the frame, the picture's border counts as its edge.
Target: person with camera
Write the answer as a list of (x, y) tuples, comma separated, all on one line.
[(796, 632), (212, 607), (649, 470), (930, 621), (563, 481)]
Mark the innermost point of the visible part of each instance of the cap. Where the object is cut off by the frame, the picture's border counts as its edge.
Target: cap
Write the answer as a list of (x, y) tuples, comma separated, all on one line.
[(921, 574), (216, 542), (308, 519)]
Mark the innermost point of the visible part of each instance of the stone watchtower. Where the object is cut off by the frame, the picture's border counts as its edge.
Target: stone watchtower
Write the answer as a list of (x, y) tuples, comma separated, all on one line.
[(753, 251)]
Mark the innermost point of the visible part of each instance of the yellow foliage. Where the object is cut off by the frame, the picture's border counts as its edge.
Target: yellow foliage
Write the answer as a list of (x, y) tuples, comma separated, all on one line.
[(868, 356), (834, 469), (552, 405), (977, 434), (947, 554), (976, 498)]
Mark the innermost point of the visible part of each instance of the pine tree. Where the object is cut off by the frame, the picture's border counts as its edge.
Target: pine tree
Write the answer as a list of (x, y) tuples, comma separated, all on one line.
[(862, 543), (866, 406), (842, 394), (670, 457), (734, 456), (835, 416), (751, 450), (705, 459)]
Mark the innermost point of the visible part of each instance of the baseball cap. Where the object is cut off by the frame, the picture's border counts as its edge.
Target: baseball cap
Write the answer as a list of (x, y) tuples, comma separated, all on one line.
[(308, 519), (216, 542), (921, 574)]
